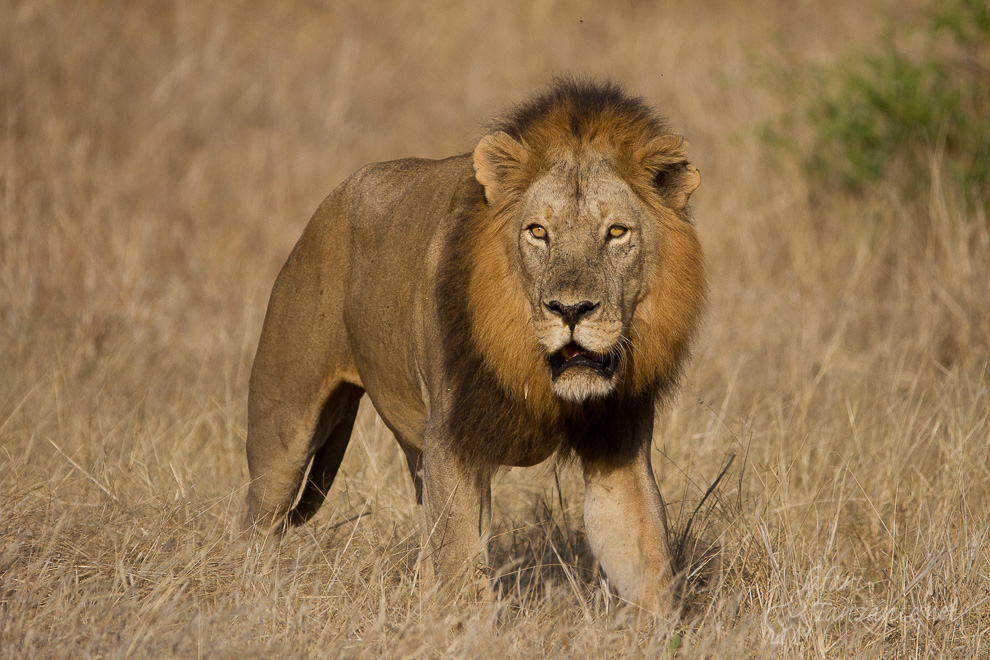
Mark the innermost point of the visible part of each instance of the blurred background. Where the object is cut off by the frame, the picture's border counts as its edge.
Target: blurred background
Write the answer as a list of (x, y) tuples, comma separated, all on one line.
[(158, 161)]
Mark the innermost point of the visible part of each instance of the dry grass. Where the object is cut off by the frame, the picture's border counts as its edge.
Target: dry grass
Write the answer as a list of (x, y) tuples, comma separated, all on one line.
[(157, 164)]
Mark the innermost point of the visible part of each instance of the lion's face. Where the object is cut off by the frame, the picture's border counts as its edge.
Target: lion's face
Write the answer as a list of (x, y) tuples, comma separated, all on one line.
[(581, 236), (587, 277)]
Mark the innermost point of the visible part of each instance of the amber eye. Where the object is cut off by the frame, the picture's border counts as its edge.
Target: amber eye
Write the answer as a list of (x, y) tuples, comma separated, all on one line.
[(538, 232), (617, 231)]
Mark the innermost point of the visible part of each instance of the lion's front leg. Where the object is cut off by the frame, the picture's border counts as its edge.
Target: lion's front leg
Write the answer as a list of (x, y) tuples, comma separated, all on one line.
[(457, 503), (627, 528)]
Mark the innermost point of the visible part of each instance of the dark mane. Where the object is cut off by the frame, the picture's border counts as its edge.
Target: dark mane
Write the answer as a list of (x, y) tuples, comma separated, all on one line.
[(583, 109), (501, 395)]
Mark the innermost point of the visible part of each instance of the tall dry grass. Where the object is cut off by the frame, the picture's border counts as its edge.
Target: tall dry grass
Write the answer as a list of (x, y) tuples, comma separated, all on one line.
[(157, 163)]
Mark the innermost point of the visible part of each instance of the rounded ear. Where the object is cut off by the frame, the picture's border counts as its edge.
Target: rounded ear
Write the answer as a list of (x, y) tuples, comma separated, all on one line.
[(665, 158), (676, 183), (498, 159)]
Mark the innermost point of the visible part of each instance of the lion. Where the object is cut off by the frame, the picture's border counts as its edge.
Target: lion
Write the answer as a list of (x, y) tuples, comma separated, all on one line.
[(536, 297)]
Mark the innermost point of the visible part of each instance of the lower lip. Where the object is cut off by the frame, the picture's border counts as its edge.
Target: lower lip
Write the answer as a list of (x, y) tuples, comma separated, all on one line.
[(600, 370)]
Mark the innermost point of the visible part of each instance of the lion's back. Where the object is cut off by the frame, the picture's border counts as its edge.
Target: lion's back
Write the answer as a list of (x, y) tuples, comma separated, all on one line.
[(387, 200)]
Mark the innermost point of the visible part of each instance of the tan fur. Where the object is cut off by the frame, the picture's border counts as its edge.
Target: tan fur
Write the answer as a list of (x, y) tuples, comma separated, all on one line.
[(499, 312), (422, 284), (665, 320)]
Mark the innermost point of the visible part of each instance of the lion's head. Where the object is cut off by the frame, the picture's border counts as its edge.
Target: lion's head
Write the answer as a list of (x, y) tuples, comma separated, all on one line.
[(588, 275)]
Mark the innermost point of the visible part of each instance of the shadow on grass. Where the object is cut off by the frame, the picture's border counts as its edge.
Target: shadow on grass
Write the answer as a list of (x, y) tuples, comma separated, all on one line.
[(548, 552)]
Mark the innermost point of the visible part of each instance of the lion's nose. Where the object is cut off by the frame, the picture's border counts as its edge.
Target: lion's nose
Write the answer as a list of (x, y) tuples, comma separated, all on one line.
[(571, 313)]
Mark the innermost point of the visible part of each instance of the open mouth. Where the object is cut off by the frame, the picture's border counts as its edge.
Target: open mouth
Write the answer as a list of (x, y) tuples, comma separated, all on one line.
[(573, 355)]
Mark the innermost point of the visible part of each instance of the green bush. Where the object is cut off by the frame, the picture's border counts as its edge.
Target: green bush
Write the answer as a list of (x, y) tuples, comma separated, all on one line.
[(882, 116)]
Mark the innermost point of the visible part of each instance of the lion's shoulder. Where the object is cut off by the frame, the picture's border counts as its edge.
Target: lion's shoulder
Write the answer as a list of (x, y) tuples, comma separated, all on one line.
[(389, 173), (380, 186)]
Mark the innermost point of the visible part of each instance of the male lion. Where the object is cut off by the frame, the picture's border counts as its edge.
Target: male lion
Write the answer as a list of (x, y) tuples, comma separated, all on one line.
[(538, 295)]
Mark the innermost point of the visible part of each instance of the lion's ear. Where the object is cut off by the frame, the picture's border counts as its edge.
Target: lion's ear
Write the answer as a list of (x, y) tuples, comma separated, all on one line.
[(665, 158), (498, 158), (676, 182)]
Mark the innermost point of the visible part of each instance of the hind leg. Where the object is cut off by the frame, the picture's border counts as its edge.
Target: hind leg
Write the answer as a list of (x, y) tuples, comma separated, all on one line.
[(283, 439), (326, 460), (304, 387)]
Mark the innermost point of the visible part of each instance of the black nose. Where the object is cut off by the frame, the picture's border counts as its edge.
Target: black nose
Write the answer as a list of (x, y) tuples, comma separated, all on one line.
[(571, 313)]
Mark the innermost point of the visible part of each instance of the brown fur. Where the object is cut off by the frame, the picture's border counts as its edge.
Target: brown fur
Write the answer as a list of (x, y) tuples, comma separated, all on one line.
[(639, 145), (419, 283)]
